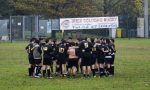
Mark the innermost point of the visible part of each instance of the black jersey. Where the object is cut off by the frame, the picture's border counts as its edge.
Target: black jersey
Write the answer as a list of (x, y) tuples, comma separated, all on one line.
[(62, 50), (54, 46), (108, 49), (47, 51), (85, 46), (112, 48), (29, 50), (68, 45), (94, 49), (100, 49)]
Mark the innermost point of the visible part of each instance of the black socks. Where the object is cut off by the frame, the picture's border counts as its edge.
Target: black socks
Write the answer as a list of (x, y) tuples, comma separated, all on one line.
[(101, 72), (48, 72), (112, 70), (30, 71), (37, 70), (44, 72), (93, 71)]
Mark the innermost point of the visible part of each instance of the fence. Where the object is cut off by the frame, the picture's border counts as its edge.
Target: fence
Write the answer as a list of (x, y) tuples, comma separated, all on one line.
[(4, 27), (25, 27)]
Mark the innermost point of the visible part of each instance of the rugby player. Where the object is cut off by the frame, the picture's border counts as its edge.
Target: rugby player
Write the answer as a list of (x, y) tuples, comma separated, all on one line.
[(94, 56), (72, 59), (101, 57), (47, 58), (62, 56), (54, 54), (113, 51), (108, 56), (86, 48), (37, 57), (30, 57)]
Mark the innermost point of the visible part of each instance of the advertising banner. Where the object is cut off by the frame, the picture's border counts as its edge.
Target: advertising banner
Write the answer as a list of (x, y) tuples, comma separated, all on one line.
[(88, 23)]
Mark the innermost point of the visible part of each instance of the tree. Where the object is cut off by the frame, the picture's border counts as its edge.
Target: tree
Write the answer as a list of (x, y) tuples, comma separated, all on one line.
[(58, 8), (6, 8), (139, 7), (72, 8), (123, 7), (149, 6)]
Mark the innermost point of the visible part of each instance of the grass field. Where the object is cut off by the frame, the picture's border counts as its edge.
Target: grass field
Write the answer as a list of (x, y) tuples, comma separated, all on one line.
[(132, 70)]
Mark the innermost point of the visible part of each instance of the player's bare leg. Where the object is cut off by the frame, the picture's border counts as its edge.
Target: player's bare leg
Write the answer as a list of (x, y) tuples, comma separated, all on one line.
[(74, 70)]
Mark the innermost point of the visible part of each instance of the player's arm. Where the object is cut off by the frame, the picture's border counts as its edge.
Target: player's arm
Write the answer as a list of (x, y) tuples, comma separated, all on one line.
[(34, 46), (77, 51), (27, 47), (68, 51), (80, 49), (39, 49), (105, 51), (114, 49)]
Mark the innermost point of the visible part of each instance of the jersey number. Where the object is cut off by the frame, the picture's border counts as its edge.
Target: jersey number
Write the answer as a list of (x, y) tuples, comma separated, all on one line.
[(45, 48), (94, 49), (86, 45), (61, 50)]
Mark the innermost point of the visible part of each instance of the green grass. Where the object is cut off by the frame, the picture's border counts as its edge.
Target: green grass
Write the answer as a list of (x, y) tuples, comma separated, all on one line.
[(132, 70)]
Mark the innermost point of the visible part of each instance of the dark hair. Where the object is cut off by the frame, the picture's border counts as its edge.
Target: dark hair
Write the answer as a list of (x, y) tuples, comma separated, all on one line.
[(40, 39), (63, 41), (107, 41), (37, 41), (76, 44), (32, 39), (73, 43), (47, 40), (92, 40), (54, 40), (102, 38), (112, 40)]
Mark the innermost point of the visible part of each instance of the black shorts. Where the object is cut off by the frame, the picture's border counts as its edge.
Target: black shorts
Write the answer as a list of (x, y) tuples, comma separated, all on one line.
[(47, 61), (72, 62), (86, 59), (108, 60), (31, 60), (112, 59), (93, 60), (57, 62), (101, 59), (62, 60), (54, 58), (37, 61)]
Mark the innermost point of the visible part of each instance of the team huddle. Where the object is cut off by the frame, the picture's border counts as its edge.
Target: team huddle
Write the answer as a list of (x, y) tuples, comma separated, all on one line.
[(87, 56)]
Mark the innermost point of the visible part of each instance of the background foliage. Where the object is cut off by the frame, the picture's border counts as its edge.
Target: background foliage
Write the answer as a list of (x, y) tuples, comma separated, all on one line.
[(71, 8)]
